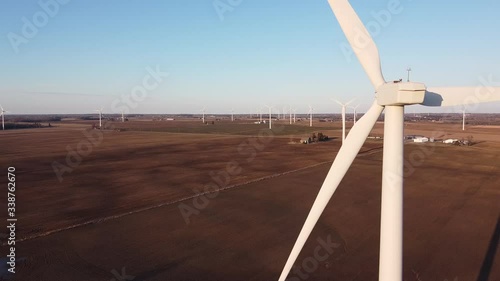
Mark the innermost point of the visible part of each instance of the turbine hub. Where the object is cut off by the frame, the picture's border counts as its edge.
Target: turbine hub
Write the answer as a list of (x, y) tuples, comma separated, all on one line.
[(400, 93)]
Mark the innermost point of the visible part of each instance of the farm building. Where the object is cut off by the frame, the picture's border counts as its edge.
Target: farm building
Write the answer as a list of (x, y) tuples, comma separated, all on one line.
[(420, 139)]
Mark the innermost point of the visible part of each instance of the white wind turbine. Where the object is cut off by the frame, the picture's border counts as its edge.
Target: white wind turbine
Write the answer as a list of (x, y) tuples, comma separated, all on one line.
[(203, 115), (100, 116), (232, 114), (391, 96), (311, 109), (270, 114), (343, 105), (294, 115), (463, 118), (2, 112), (123, 117), (354, 114), (290, 112)]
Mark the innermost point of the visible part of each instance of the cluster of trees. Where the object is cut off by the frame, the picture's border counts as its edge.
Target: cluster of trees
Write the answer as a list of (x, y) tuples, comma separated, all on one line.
[(317, 138), (321, 137), (14, 126), (38, 119)]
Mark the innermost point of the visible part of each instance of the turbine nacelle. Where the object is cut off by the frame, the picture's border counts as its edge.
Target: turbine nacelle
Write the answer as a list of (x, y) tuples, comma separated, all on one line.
[(400, 93)]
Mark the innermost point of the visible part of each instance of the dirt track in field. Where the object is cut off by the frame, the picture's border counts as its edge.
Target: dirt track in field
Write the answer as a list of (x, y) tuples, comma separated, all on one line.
[(246, 232)]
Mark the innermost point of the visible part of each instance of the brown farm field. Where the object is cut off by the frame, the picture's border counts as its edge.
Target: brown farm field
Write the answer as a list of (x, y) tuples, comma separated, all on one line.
[(94, 205)]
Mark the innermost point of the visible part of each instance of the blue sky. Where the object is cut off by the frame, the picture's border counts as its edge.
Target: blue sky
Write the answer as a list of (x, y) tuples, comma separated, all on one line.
[(279, 52)]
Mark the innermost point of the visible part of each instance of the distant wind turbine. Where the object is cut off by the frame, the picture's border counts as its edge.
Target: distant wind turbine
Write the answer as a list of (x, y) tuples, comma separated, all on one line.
[(290, 108), (203, 116), (2, 112), (232, 114), (123, 117), (100, 116), (463, 118), (311, 109), (270, 113), (355, 108), (343, 105)]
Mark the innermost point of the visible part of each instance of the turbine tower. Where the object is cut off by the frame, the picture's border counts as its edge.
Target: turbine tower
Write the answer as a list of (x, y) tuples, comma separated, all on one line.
[(343, 105), (232, 114), (463, 118), (100, 117), (203, 115), (354, 115), (270, 113), (123, 117), (290, 112), (2, 112), (310, 116), (391, 97)]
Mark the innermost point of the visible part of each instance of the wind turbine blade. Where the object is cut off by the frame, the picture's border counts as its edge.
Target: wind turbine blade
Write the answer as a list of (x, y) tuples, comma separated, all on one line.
[(360, 40), (451, 96), (349, 102), (341, 104), (343, 161)]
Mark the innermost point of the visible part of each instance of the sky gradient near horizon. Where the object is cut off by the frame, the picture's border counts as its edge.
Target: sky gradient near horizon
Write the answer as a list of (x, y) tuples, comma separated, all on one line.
[(91, 54)]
